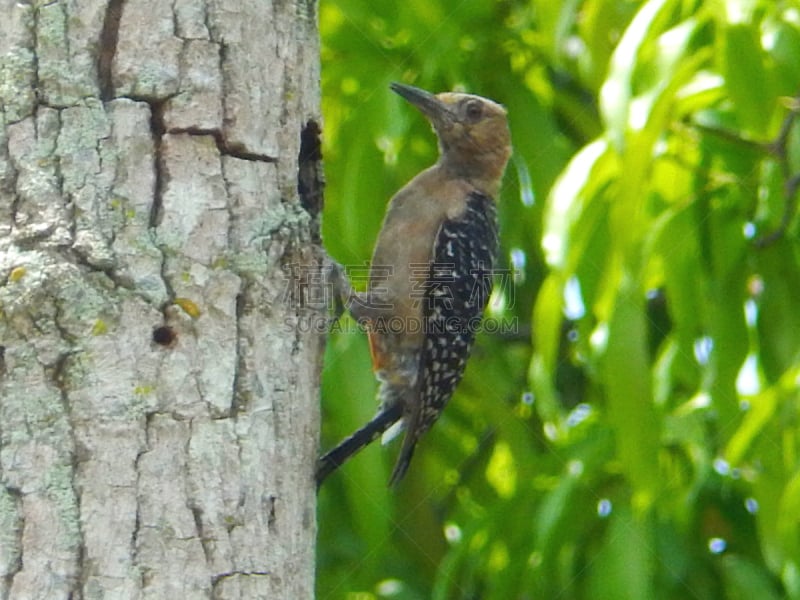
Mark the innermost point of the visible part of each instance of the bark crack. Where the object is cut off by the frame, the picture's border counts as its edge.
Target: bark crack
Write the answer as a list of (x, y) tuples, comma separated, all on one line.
[(15, 495), (239, 366), (35, 39), (218, 579), (109, 36), (14, 184), (58, 377), (59, 175), (137, 523), (157, 131), (197, 515), (271, 519), (224, 148)]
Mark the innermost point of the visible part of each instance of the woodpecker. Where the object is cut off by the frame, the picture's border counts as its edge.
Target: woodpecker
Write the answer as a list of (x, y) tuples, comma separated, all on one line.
[(430, 275)]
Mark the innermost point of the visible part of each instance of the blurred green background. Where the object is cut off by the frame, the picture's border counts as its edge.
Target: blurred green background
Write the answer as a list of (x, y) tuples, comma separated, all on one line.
[(631, 431)]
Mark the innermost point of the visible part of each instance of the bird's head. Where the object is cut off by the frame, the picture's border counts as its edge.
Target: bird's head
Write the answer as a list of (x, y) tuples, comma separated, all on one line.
[(474, 139)]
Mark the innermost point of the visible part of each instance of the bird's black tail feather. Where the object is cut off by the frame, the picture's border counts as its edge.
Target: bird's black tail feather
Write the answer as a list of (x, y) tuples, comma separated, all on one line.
[(361, 438)]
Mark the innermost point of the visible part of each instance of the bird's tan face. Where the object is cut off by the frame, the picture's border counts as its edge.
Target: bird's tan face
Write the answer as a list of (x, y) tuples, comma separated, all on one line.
[(473, 125), (473, 133)]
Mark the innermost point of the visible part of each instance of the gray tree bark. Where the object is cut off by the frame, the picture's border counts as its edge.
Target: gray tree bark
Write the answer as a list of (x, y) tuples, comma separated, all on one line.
[(158, 401)]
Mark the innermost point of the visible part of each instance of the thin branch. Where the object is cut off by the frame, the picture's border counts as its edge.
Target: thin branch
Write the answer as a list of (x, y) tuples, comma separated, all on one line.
[(779, 150)]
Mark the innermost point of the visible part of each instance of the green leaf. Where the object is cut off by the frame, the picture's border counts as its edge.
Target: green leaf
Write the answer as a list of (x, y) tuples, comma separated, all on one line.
[(618, 90), (623, 566), (629, 390), (746, 581), (747, 77), (580, 184)]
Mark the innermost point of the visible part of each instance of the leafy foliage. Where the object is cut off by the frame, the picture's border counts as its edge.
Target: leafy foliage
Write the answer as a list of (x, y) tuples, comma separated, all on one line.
[(630, 427)]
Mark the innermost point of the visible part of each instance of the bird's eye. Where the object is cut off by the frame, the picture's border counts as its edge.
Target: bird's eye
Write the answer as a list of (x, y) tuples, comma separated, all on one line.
[(474, 110)]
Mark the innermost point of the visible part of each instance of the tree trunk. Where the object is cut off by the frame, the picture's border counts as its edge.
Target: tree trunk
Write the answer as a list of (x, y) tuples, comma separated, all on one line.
[(158, 401)]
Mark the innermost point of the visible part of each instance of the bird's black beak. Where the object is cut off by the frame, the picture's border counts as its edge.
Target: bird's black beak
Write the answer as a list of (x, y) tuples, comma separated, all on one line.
[(433, 108)]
